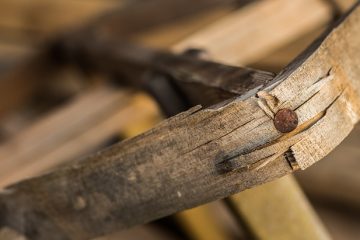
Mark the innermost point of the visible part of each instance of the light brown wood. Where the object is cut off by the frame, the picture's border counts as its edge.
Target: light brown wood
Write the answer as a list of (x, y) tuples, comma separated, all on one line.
[(42, 157), (45, 17), (70, 131), (143, 15), (278, 210), (233, 34), (202, 223), (10, 234), (170, 34), (252, 204), (227, 148), (28, 146)]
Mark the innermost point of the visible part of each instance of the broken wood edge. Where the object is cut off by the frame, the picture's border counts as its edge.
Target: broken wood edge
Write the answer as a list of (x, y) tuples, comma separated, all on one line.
[(140, 179)]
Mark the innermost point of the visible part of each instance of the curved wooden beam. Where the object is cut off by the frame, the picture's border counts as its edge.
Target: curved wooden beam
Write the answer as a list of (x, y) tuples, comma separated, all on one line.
[(202, 154)]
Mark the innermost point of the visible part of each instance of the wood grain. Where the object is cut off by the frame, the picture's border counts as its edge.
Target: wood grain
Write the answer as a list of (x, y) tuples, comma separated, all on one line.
[(175, 166)]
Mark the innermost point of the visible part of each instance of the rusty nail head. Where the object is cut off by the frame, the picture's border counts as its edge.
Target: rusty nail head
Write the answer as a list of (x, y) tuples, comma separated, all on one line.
[(285, 120)]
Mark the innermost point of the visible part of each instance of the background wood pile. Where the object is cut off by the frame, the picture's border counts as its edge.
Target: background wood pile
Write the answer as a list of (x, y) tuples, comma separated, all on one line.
[(71, 114)]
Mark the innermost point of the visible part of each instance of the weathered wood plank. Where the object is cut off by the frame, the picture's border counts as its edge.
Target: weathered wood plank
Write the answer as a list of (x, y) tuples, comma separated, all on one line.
[(135, 66), (175, 165), (280, 203)]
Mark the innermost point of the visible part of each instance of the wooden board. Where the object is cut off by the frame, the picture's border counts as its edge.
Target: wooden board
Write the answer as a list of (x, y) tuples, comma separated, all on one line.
[(64, 133), (202, 154), (278, 210), (233, 34)]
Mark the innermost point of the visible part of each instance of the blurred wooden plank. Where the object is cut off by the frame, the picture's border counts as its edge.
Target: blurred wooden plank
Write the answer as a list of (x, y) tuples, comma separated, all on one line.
[(148, 171), (201, 223), (9, 52), (282, 22), (148, 232), (18, 85), (279, 58), (61, 153), (336, 180), (36, 148), (45, 17), (9, 234), (278, 211), (34, 20), (172, 33)]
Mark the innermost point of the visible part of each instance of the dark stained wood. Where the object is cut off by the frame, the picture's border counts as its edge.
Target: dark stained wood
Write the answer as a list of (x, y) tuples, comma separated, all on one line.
[(136, 66)]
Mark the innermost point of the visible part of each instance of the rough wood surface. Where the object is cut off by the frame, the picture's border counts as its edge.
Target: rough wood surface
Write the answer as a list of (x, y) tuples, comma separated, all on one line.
[(176, 165), (275, 210)]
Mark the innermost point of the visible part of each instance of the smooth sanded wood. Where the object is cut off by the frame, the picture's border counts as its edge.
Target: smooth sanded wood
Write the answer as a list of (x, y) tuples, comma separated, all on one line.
[(202, 154)]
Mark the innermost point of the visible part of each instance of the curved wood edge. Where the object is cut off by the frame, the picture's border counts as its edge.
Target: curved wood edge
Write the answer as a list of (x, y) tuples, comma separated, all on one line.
[(175, 166)]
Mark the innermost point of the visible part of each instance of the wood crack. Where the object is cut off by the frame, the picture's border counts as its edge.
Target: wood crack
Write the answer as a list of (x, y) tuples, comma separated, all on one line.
[(259, 157), (215, 139)]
